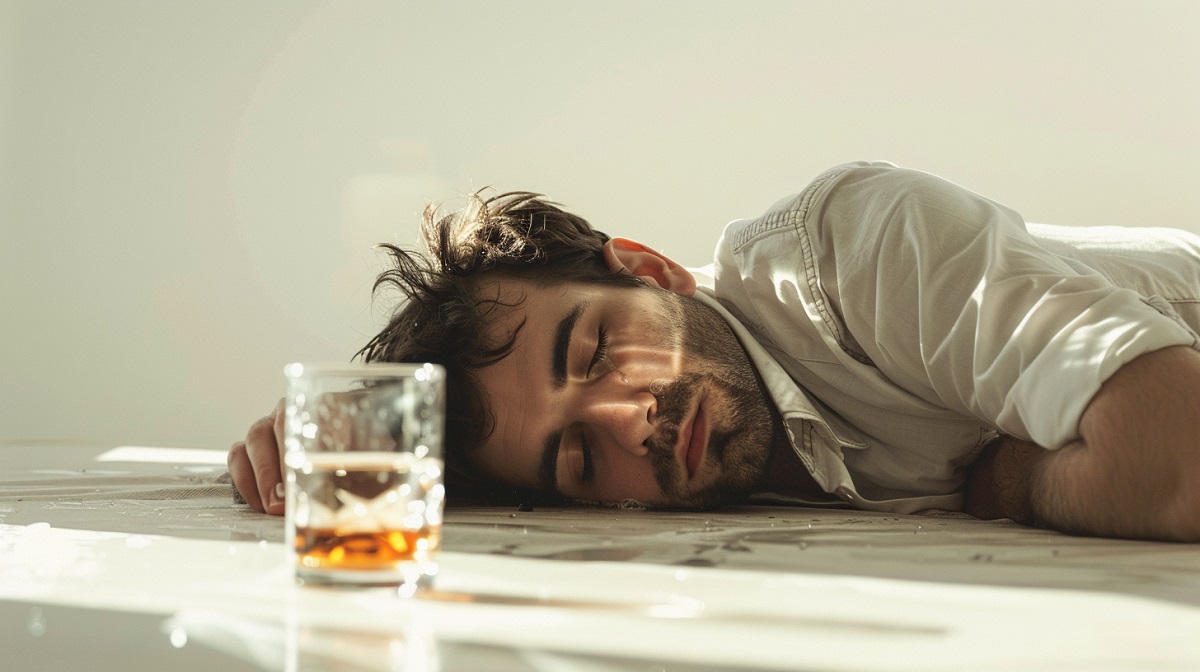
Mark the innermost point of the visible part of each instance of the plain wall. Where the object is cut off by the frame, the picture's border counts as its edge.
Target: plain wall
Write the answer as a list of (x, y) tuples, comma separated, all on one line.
[(189, 191)]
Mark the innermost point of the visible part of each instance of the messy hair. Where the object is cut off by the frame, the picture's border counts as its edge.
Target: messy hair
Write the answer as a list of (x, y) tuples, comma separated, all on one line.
[(444, 318)]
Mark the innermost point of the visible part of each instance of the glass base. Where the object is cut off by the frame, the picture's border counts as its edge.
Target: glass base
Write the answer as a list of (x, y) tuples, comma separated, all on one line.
[(409, 577)]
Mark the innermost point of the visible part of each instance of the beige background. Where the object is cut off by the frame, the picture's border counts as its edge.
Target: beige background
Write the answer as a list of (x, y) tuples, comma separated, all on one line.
[(189, 190)]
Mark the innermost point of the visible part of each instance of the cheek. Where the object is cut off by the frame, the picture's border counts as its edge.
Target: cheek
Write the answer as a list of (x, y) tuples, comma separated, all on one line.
[(642, 365), (645, 348), (630, 479)]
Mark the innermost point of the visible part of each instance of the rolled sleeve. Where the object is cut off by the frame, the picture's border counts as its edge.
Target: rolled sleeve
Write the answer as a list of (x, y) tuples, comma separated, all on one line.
[(1049, 396), (948, 294)]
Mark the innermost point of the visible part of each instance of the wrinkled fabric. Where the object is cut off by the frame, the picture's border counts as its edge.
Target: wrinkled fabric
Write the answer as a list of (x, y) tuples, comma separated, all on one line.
[(900, 322)]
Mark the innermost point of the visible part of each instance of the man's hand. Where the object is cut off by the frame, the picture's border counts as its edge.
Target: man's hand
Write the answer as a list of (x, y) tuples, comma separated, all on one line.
[(999, 485), (256, 463)]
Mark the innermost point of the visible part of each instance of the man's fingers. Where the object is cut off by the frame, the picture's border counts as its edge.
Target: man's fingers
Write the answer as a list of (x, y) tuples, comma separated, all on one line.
[(255, 465), (278, 415), (242, 475), (263, 453)]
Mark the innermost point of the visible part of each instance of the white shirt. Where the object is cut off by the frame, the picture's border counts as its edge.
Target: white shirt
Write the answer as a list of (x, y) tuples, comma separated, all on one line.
[(900, 321)]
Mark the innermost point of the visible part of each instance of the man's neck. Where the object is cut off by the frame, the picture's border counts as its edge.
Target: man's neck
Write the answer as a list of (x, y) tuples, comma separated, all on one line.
[(786, 474)]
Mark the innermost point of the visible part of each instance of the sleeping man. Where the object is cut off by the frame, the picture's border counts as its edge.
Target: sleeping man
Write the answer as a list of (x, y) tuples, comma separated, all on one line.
[(884, 340)]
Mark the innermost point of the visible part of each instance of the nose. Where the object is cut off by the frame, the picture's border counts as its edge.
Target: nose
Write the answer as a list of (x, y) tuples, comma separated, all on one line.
[(624, 416)]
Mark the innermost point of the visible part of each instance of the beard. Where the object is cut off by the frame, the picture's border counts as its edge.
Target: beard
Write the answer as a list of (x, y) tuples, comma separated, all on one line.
[(742, 425)]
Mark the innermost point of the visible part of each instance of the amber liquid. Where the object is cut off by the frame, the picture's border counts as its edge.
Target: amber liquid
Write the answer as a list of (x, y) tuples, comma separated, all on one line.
[(370, 551), (365, 517)]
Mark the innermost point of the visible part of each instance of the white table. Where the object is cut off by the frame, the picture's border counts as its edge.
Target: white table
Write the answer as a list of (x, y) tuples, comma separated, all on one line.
[(133, 558)]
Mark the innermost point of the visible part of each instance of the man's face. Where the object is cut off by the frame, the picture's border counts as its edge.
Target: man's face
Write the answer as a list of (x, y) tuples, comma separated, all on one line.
[(622, 393)]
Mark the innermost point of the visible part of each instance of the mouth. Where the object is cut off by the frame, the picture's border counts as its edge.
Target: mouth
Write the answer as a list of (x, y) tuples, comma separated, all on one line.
[(693, 439)]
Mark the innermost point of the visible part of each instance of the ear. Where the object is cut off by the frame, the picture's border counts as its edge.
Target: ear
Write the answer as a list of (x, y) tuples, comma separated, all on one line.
[(622, 254)]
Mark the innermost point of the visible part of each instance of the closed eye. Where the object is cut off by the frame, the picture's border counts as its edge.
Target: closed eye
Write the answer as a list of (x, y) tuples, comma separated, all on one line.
[(588, 472), (601, 350)]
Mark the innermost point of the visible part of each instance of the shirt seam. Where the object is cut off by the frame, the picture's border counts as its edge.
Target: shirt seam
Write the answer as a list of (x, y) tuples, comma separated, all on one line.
[(810, 272), (795, 217)]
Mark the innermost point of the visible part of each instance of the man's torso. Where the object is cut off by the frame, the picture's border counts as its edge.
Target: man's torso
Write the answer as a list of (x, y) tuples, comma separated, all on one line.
[(858, 353)]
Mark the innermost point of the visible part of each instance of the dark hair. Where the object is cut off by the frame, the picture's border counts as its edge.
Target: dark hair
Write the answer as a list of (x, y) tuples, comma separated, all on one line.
[(444, 319)]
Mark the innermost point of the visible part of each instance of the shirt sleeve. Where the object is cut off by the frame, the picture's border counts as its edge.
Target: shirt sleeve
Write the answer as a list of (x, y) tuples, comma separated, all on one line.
[(951, 298)]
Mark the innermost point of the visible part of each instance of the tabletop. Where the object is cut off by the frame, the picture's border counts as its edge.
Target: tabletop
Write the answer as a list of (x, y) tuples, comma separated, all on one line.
[(139, 557)]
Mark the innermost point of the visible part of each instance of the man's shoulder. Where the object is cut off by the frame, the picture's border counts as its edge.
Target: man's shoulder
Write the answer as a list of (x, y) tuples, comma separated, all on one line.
[(794, 209)]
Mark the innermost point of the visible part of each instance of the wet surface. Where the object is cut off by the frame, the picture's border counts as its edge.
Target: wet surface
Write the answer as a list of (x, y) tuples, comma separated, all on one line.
[(764, 586), (945, 547), (196, 501), (37, 636)]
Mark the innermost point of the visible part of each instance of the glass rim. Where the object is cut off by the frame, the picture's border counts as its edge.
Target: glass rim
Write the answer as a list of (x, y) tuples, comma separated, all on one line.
[(359, 369)]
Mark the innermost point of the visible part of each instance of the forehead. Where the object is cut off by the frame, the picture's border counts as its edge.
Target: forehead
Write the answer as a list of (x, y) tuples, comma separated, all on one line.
[(518, 309)]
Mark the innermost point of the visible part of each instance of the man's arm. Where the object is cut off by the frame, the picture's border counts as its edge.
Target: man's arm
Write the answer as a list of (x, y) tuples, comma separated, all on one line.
[(1133, 472)]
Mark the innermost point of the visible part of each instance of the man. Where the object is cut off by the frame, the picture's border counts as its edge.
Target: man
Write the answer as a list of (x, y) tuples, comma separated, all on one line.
[(885, 339)]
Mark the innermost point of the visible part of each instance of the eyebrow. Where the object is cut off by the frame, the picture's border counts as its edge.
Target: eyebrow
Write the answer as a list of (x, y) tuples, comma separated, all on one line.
[(562, 344), (548, 469)]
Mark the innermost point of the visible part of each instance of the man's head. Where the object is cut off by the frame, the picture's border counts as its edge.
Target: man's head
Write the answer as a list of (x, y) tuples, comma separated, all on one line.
[(578, 364)]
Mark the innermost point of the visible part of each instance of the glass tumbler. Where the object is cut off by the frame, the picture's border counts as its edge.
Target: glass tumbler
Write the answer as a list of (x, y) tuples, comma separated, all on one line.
[(363, 456)]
